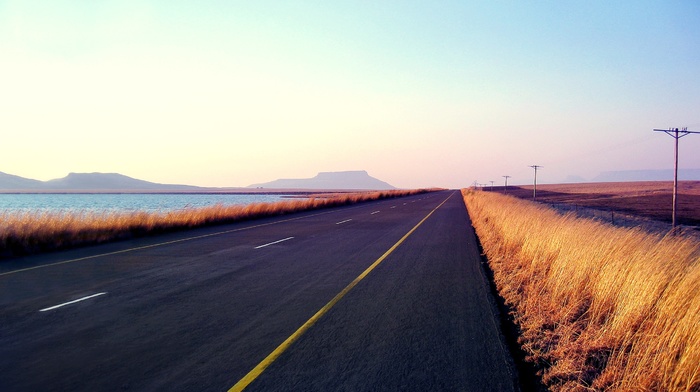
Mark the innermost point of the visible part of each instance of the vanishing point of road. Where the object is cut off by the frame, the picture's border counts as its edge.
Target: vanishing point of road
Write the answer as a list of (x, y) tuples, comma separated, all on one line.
[(380, 296)]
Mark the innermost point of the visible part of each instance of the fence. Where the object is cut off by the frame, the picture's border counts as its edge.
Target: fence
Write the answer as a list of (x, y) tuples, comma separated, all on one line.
[(620, 219)]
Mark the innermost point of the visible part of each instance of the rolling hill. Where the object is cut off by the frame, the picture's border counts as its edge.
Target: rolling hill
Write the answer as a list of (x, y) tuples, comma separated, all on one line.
[(88, 182)]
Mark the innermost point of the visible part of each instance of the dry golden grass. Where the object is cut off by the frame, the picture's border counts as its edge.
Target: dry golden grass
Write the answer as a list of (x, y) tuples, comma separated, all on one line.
[(599, 307), (28, 233)]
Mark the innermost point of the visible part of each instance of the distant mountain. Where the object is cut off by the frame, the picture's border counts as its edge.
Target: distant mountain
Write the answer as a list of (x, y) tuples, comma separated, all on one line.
[(114, 182), (92, 182), (647, 175), (344, 180), (9, 181), (101, 181)]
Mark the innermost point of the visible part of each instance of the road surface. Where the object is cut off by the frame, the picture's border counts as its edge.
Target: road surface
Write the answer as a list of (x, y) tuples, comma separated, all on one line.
[(385, 295)]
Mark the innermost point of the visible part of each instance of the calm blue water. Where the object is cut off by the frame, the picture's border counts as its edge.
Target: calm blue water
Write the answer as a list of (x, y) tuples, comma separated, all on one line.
[(69, 203)]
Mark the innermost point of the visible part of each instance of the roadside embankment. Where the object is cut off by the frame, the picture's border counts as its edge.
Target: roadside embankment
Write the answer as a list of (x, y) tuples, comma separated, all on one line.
[(598, 307), (30, 233)]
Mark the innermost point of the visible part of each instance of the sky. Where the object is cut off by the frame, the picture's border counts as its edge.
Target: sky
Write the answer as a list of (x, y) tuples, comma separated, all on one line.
[(417, 93)]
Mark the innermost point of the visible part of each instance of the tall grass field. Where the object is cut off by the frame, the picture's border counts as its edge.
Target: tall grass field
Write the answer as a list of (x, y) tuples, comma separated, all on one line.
[(28, 233), (598, 307)]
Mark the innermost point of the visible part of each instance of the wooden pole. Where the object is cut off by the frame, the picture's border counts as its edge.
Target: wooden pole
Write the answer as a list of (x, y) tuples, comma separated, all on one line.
[(676, 134), (675, 182)]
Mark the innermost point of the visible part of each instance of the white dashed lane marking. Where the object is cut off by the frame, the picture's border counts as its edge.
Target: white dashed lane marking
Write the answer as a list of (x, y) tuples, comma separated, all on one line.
[(274, 242), (72, 302)]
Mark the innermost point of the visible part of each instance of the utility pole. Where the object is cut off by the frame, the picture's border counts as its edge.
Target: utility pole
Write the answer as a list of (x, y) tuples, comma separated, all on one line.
[(676, 134), (506, 187), (534, 190), (491, 185)]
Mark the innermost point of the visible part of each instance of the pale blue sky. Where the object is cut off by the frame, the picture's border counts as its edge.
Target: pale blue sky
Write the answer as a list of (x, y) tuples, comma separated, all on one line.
[(418, 93)]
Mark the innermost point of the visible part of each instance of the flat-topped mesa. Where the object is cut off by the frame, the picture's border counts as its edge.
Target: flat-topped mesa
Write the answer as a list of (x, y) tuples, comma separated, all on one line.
[(344, 180)]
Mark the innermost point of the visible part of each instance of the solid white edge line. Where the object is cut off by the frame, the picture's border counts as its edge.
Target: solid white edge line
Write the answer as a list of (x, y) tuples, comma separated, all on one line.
[(168, 242), (72, 302), (341, 222), (275, 242)]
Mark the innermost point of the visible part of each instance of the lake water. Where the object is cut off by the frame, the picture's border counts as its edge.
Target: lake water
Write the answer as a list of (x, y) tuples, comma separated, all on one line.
[(69, 203)]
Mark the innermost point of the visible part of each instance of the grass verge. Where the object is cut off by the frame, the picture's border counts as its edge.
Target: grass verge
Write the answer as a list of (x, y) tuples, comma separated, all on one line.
[(598, 307), (30, 233)]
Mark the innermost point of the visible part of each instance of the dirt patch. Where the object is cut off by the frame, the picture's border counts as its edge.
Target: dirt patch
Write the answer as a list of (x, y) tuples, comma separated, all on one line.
[(653, 200)]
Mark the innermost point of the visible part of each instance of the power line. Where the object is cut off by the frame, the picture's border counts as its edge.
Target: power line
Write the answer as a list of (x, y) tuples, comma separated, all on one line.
[(676, 134)]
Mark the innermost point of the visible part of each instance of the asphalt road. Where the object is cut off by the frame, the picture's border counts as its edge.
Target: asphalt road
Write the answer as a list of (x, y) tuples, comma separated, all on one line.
[(200, 310)]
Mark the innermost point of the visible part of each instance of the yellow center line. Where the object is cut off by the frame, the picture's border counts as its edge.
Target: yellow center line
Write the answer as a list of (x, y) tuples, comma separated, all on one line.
[(265, 363)]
